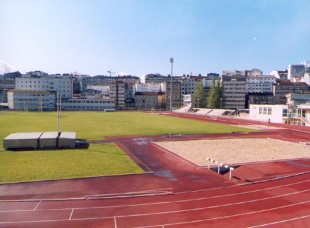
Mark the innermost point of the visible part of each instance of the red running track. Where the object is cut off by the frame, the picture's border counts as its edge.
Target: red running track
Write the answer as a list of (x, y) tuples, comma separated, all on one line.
[(173, 192)]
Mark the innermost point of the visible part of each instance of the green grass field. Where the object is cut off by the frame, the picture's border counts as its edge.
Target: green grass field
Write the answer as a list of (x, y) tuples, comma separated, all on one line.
[(98, 160)]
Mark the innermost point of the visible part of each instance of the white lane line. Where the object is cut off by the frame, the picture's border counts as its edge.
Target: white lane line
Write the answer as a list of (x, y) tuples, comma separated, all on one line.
[(195, 199), (37, 205), (71, 214), (176, 201), (115, 223), (194, 221), (232, 216), (283, 221)]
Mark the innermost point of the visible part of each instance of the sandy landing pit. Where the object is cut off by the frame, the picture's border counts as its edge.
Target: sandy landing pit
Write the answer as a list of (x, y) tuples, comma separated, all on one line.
[(236, 151)]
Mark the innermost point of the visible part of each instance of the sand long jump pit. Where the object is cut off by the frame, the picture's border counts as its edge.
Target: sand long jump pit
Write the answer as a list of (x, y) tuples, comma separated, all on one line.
[(236, 151)]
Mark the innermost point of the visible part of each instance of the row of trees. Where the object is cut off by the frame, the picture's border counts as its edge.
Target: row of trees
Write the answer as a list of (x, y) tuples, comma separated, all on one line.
[(212, 99)]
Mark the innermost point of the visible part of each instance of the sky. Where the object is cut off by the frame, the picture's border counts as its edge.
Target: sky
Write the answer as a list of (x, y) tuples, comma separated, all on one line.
[(138, 37)]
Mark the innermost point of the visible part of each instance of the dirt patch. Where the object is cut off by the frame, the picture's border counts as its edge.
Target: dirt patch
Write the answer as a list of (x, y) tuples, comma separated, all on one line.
[(236, 151)]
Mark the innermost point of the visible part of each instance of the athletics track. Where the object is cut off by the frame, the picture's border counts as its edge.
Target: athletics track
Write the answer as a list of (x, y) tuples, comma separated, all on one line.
[(172, 192)]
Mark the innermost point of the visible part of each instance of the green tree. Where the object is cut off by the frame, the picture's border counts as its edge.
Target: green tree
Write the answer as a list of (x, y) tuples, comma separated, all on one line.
[(215, 95), (200, 96)]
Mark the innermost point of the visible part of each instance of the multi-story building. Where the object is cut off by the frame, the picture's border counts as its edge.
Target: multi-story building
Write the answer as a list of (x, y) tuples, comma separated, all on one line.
[(107, 80), (97, 91), (258, 98), (296, 72), (149, 101), (280, 74), (148, 87), (234, 72), (260, 83), (175, 91), (253, 72), (28, 100), (187, 87), (58, 84), (282, 87), (7, 82), (156, 78), (119, 93), (234, 91)]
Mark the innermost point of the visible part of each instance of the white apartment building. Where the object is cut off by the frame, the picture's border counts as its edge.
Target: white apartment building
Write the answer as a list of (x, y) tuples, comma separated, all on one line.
[(148, 87), (102, 89), (260, 83), (187, 88), (26, 100), (53, 83)]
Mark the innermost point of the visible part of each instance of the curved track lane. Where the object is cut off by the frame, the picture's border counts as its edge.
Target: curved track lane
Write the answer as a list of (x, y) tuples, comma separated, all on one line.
[(172, 193)]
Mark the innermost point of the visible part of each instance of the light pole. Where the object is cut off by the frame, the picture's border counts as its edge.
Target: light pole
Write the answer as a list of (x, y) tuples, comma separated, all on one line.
[(171, 61)]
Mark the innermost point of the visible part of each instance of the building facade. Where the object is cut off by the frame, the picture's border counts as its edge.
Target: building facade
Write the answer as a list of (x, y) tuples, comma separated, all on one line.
[(268, 113), (149, 101), (175, 91), (234, 92), (281, 88), (119, 93), (52, 83), (27, 100), (91, 104), (260, 83)]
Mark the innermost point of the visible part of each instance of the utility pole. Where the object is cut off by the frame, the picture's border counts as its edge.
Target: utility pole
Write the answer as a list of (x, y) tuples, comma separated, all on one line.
[(171, 61)]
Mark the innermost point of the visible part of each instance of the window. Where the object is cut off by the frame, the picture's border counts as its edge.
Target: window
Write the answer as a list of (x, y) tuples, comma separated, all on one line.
[(269, 111), (265, 111)]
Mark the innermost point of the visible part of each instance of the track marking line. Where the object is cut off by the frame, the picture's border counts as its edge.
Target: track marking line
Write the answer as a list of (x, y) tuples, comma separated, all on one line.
[(71, 214), (163, 225), (282, 221), (177, 201), (115, 223), (217, 206), (195, 199), (37, 205), (236, 215)]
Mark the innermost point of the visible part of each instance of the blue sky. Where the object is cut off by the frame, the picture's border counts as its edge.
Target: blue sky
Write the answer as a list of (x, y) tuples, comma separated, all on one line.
[(138, 37)]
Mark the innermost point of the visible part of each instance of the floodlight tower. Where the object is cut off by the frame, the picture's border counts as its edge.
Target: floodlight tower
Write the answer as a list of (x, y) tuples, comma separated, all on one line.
[(171, 61)]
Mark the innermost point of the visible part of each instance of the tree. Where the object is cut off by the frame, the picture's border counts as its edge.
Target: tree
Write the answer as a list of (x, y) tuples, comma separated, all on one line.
[(215, 95), (200, 95)]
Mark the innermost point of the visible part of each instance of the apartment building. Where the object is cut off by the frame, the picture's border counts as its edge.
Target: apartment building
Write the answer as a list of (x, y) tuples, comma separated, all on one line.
[(148, 87), (156, 78), (234, 92), (118, 93), (282, 87), (260, 83), (296, 72), (175, 91), (187, 87), (150, 100), (280, 74), (58, 84), (27, 100)]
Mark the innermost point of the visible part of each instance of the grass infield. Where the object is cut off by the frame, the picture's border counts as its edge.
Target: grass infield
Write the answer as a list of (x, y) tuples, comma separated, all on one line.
[(99, 159)]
